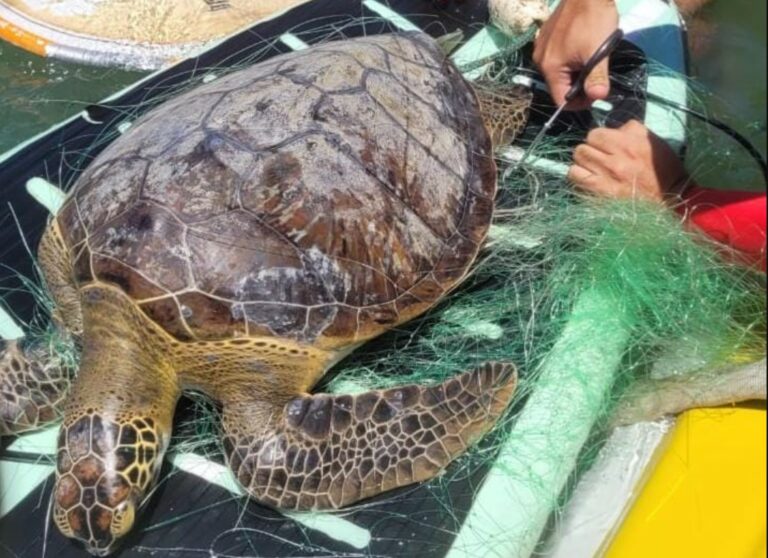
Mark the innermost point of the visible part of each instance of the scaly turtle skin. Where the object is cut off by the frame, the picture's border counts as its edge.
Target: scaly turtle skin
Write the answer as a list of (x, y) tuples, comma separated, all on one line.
[(240, 240)]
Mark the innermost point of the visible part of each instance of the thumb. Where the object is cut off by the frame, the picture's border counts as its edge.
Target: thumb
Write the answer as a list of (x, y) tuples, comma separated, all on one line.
[(559, 83), (597, 85)]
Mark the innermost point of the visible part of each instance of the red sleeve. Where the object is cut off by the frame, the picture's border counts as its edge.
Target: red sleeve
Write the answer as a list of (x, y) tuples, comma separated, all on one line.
[(737, 219)]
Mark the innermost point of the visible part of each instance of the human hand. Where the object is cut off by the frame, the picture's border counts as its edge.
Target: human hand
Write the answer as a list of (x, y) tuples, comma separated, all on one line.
[(567, 40), (628, 162)]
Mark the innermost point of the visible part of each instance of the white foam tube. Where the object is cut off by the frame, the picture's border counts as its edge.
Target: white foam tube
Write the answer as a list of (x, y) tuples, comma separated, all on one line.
[(9, 329), (522, 488)]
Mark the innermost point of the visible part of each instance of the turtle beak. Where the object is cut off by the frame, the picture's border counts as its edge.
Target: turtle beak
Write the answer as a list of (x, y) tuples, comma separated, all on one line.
[(99, 551)]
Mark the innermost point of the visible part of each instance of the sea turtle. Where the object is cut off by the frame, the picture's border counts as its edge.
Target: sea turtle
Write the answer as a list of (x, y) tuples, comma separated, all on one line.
[(240, 240)]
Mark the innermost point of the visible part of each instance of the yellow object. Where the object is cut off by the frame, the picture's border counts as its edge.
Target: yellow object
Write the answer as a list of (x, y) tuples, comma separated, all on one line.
[(707, 496)]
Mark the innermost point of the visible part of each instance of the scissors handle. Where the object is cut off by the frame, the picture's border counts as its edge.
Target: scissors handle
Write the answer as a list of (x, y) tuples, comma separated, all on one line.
[(605, 49)]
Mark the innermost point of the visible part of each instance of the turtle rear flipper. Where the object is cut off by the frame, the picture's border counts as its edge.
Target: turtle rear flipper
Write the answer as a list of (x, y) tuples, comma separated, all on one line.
[(33, 386), (328, 451), (505, 110)]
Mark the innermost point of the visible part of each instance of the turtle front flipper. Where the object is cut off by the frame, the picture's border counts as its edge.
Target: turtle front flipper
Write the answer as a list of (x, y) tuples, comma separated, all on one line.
[(33, 386), (35, 376), (328, 451)]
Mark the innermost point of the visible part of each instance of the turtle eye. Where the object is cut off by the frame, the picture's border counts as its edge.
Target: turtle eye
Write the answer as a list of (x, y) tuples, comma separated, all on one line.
[(122, 519)]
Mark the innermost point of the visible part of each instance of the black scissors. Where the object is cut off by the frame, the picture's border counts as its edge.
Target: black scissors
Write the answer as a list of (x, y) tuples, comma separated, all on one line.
[(604, 50)]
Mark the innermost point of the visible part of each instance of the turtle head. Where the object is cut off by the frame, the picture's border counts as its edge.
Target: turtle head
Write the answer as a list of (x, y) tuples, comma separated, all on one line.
[(104, 471)]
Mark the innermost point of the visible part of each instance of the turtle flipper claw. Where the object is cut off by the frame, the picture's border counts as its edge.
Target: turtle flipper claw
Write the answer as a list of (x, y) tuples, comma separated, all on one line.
[(328, 451)]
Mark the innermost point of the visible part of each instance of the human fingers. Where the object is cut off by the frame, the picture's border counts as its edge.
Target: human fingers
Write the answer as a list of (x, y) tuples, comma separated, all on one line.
[(634, 129), (561, 78), (597, 84), (593, 183), (592, 159), (567, 40), (580, 176), (632, 139), (559, 81), (555, 51), (606, 139)]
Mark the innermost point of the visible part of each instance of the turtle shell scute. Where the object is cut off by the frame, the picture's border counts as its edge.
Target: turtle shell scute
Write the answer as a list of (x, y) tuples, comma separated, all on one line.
[(323, 196)]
